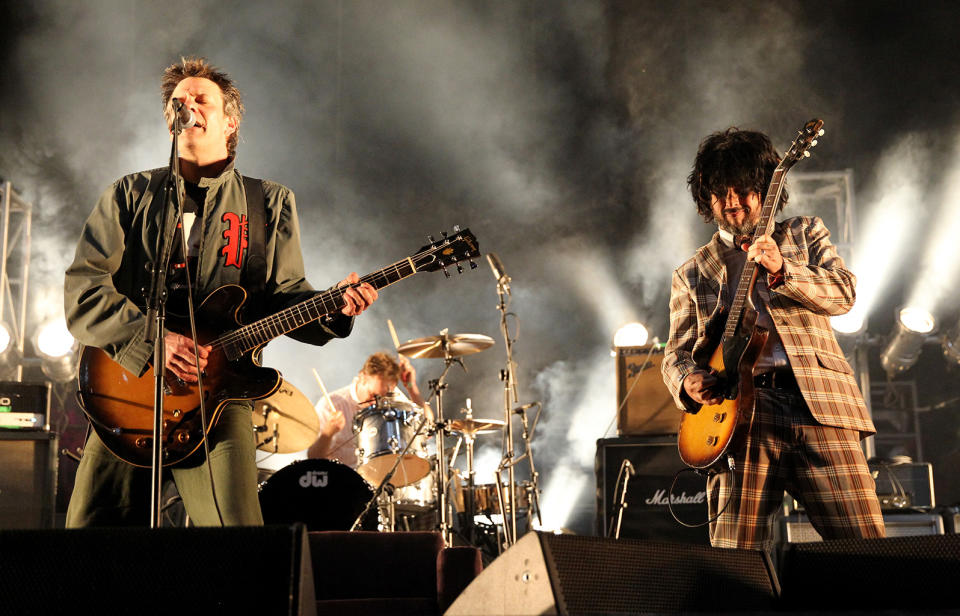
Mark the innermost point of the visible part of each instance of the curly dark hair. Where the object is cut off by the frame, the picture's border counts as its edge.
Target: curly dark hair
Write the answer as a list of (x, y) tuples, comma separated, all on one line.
[(200, 67), (740, 159)]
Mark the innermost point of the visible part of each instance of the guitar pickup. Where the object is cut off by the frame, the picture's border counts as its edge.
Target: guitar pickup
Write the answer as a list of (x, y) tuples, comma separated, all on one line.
[(719, 417)]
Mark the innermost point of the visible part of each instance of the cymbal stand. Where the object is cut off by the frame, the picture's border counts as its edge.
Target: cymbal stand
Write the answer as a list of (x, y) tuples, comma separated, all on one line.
[(508, 377), (437, 386), (527, 436)]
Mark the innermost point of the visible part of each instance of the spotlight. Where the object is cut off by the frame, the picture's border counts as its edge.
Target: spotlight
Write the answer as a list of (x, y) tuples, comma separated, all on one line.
[(57, 350), (850, 324), (631, 334), (906, 340)]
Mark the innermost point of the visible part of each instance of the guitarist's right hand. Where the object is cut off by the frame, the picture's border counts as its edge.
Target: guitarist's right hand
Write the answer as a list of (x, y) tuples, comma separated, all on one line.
[(698, 385), (180, 357)]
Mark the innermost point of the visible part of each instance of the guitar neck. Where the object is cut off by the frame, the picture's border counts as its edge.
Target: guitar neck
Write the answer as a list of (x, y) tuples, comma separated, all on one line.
[(258, 333), (749, 274)]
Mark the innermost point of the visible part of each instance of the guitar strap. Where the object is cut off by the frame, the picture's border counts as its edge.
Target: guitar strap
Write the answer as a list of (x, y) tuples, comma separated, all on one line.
[(255, 273)]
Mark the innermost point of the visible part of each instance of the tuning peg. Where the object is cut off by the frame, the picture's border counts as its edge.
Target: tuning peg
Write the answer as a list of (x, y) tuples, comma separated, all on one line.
[(430, 239), (445, 272), (806, 153), (820, 132), (456, 228), (459, 268), (444, 234), (813, 143), (472, 264)]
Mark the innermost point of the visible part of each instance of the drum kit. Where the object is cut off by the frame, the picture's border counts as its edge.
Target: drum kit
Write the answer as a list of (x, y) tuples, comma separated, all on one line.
[(396, 475)]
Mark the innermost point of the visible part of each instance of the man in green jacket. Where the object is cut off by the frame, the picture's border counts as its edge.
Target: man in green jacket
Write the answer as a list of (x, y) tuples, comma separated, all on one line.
[(104, 301)]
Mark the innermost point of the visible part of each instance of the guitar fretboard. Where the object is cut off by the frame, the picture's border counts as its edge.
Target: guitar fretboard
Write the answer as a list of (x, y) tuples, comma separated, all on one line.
[(253, 335)]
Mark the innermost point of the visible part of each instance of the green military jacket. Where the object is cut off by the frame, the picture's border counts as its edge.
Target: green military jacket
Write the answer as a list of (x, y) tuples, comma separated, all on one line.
[(103, 290)]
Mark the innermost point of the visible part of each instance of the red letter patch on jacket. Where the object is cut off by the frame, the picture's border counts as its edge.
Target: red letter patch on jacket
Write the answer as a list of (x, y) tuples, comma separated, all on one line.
[(236, 236)]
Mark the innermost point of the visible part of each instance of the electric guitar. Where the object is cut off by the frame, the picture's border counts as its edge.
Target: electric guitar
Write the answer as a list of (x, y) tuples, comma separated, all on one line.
[(120, 404), (733, 342)]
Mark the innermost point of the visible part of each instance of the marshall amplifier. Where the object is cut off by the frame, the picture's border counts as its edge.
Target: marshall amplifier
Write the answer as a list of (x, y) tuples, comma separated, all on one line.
[(646, 515), (24, 406)]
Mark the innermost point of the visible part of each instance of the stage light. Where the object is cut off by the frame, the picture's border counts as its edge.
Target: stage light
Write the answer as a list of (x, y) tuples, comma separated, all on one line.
[(906, 341), (57, 350), (631, 334), (852, 323)]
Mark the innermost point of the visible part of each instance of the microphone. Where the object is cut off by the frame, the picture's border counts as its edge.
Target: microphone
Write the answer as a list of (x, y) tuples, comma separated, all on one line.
[(499, 272), (521, 409), (186, 116)]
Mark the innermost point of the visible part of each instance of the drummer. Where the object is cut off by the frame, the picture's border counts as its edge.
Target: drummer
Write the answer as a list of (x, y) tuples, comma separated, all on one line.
[(379, 377)]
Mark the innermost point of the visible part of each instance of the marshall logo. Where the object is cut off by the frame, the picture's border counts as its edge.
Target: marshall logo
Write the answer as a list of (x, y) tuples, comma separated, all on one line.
[(236, 236), (660, 498), (313, 479)]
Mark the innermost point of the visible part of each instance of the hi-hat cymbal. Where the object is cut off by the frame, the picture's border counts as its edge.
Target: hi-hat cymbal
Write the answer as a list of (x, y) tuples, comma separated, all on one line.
[(286, 421), (476, 426), (444, 345)]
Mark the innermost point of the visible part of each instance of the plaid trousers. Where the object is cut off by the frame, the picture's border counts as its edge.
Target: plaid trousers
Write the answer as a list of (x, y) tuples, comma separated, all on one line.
[(787, 449)]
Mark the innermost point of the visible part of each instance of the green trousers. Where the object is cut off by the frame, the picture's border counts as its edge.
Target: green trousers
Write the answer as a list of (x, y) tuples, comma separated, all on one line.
[(110, 492)]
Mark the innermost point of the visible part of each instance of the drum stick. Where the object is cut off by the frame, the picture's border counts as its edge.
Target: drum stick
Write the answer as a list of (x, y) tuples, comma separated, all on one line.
[(393, 334), (326, 396)]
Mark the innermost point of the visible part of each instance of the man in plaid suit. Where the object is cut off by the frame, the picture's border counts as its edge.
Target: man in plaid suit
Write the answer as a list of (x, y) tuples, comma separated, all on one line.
[(810, 415)]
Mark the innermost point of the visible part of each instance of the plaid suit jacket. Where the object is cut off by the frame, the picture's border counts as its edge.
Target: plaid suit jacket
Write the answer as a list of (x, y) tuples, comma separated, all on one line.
[(816, 286)]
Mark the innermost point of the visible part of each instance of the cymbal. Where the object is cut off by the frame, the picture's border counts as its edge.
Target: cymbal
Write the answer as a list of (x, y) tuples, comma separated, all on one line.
[(286, 421), (476, 426), (444, 344)]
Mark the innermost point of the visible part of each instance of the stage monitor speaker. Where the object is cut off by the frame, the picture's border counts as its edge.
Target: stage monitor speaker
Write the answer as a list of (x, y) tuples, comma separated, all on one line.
[(28, 483), (892, 575), (647, 516), (644, 404), (254, 570), (545, 573)]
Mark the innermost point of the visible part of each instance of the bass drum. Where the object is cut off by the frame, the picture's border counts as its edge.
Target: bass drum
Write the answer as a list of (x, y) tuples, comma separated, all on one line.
[(323, 494)]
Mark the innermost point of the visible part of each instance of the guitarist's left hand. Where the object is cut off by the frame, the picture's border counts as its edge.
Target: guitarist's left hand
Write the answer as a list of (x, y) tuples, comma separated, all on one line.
[(765, 252), (356, 298)]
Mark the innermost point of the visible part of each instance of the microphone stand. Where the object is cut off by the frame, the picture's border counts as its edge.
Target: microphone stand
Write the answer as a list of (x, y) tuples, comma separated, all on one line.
[(156, 317), (509, 399), (622, 502)]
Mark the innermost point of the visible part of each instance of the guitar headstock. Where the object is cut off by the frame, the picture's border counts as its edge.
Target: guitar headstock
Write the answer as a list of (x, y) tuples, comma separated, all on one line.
[(806, 139), (450, 249)]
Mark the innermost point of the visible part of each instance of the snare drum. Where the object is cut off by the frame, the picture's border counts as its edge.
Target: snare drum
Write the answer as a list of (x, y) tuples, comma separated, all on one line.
[(383, 430), (485, 501), (323, 494)]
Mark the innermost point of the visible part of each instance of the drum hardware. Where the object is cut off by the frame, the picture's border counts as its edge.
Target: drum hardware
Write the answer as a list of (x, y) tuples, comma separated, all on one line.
[(445, 346), (290, 419)]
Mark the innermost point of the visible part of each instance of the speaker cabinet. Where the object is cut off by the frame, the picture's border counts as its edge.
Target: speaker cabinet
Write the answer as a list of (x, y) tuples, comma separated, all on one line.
[(28, 482), (902, 575), (798, 529), (644, 404), (646, 515), (545, 573), (263, 570)]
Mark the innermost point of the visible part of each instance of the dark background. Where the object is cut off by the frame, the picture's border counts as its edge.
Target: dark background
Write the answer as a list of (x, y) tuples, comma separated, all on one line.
[(560, 133)]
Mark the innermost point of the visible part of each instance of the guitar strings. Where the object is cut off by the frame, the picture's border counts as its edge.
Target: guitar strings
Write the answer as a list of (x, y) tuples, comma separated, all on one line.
[(335, 295)]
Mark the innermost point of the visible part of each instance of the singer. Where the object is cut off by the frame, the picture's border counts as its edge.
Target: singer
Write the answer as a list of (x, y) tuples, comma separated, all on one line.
[(104, 301)]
